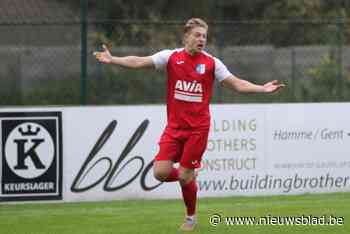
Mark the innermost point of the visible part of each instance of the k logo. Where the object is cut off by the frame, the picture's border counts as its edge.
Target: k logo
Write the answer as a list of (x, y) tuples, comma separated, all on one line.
[(29, 150), (31, 156)]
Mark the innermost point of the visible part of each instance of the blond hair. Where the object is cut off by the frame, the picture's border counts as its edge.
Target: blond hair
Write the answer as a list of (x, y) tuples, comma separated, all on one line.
[(194, 22)]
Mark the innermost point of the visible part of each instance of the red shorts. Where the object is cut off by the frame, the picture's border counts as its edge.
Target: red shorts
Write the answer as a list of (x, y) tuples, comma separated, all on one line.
[(183, 146)]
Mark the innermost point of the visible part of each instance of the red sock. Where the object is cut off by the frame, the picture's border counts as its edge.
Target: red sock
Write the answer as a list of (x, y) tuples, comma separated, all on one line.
[(189, 194), (173, 176)]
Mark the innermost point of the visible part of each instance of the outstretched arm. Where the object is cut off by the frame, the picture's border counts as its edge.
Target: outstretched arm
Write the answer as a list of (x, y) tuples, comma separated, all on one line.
[(244, 86), (127, 61)]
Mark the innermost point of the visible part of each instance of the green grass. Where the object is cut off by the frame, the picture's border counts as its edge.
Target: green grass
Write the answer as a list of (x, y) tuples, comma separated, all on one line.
[(164, 216)]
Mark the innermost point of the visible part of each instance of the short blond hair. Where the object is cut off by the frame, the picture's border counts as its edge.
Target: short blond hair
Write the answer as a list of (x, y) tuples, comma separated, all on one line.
[(194, 22)]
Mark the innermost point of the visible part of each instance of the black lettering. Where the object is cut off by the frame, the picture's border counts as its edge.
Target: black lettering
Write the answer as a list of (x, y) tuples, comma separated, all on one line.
[(143, 184), (112, 173), (83, 172), (129, 146), (22, 155)]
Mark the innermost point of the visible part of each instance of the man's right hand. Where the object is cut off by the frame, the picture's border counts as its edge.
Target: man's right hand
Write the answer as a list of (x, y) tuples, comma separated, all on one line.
[(105, 56)]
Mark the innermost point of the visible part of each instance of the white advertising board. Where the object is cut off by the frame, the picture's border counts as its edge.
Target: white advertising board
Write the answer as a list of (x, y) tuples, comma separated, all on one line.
[(106, 153), (277, 149)]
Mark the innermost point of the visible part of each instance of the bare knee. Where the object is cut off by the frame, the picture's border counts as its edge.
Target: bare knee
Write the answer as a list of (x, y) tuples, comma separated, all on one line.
[(186, 176), (162, 169), (160, 175)]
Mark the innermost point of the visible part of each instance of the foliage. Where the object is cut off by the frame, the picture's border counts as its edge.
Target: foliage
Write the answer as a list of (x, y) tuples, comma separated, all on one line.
[(325, 80), (121, 86), (150, 24), (52, 92)]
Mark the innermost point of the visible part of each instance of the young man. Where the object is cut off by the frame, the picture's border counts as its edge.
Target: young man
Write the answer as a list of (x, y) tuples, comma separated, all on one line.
[(191, 73)]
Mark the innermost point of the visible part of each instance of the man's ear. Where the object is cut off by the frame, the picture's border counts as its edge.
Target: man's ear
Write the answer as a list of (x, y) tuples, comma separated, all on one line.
[(184, 38)]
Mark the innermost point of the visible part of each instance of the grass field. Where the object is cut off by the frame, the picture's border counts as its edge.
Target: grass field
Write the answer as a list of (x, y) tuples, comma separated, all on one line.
[(164, 216)]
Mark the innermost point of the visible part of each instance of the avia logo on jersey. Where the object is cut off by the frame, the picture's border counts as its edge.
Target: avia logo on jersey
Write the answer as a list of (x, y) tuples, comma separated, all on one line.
[(188, 91)]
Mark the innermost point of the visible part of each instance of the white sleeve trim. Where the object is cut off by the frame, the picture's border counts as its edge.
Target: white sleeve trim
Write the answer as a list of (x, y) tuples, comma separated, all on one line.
[(221, 71), (161, 58)]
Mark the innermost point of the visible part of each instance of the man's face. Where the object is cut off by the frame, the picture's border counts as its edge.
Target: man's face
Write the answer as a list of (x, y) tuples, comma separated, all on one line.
[(195, 40)]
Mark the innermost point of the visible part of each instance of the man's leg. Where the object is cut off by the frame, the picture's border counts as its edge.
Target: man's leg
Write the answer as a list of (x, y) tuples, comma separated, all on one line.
[(170, 151), (191, 160), (165, 171), (188, 184)]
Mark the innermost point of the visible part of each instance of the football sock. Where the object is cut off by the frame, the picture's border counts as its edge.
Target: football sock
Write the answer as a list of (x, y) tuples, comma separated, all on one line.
[(189, 194), (173, 176)]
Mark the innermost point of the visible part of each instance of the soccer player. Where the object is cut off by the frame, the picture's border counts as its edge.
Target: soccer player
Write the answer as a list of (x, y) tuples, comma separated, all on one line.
[(191, 73)]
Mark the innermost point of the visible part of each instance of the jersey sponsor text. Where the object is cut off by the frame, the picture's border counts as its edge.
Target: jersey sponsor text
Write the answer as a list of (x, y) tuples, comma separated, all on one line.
[(188, 91)]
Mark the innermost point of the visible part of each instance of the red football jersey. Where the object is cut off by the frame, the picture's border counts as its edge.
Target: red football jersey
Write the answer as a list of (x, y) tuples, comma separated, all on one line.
[(190, 86)]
